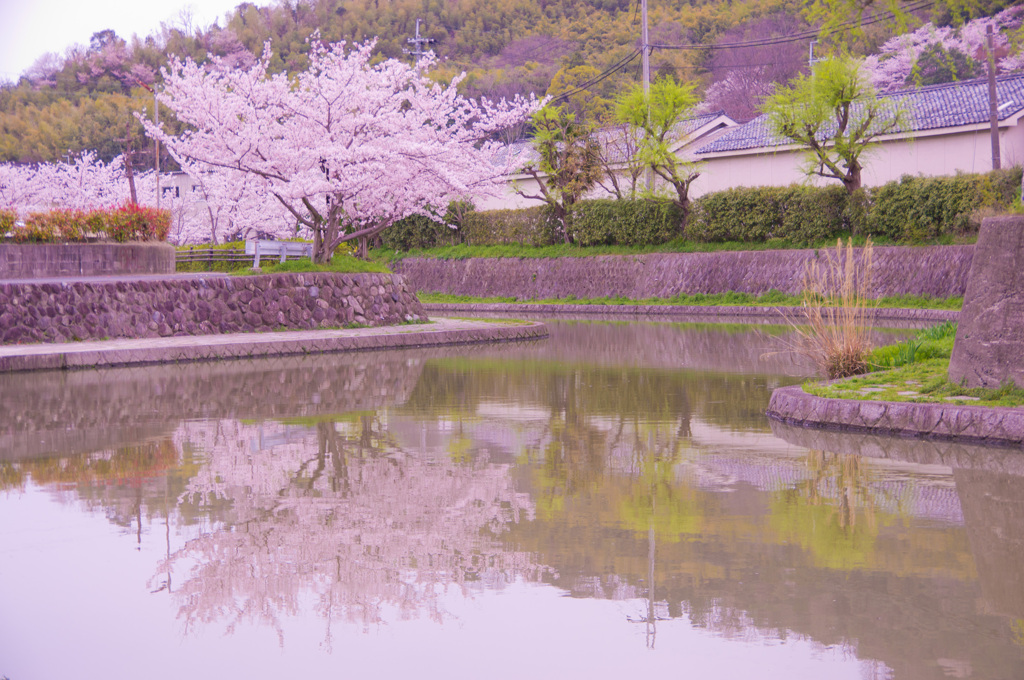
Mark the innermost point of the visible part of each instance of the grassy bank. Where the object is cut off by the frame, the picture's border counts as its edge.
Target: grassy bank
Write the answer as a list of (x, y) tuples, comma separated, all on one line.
[(342, 262), (916, 370), (772, 298), (679, 245)]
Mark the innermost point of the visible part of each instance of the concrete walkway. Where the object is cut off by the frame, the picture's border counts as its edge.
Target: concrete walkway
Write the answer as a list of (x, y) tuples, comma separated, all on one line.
[(115, 278), (126, 351)]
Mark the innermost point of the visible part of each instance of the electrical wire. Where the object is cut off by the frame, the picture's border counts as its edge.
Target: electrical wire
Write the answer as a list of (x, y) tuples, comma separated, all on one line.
[(766, 42), (618, 66)]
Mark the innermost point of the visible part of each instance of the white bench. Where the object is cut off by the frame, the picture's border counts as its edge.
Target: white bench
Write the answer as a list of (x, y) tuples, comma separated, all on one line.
[(282, 249)]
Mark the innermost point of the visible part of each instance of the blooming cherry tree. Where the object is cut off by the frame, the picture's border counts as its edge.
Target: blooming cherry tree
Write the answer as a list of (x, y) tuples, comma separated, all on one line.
[(346, 147), (85, 184), (894, 66)]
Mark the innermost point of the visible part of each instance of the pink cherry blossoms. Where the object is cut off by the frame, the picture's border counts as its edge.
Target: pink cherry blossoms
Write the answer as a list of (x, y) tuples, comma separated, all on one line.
[(85, 184), (890, 69), (346, 147)]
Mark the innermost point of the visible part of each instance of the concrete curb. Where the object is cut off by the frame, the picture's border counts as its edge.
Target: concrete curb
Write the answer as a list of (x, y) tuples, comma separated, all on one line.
[(945, 452), (123, 352), (978, 424), (781, 313)]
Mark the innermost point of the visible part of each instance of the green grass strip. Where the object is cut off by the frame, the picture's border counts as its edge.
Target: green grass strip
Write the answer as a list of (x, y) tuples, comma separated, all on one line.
[(772, 298), (679, 245), (920, 375)]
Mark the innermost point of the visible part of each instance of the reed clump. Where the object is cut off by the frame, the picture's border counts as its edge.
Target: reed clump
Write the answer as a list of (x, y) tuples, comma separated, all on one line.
[(839, 311)]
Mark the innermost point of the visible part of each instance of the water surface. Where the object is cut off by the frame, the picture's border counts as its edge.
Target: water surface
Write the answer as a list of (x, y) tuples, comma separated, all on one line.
[(607, 502)]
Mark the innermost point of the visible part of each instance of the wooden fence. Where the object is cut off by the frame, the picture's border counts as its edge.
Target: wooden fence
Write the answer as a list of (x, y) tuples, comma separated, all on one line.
[(205, 257), (208, 256)]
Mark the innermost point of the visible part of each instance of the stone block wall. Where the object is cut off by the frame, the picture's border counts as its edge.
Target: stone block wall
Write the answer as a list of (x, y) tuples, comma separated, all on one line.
[(61, 312), (37, 260), (989, 347), (939, 271)]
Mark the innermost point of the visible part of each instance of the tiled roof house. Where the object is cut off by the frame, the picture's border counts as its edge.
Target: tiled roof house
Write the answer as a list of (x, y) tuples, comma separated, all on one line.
[(947, 132), (688, 134)]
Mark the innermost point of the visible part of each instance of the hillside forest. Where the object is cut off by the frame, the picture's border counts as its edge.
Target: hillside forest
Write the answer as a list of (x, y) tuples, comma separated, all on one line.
[(84, 99)]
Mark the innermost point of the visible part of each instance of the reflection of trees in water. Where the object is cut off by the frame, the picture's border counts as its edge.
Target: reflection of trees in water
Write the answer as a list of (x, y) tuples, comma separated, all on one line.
[(127, 482), (590, 390), (338, 514), (832, 514)]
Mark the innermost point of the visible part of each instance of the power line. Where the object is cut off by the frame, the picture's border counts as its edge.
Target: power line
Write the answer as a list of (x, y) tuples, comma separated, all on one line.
[(805, 35), (764, 42), (618, 66)]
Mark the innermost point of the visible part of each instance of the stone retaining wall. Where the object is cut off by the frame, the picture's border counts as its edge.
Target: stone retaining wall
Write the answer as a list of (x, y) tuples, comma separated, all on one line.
[(35, 261), (59, 312), (982, 424), (939, 271)]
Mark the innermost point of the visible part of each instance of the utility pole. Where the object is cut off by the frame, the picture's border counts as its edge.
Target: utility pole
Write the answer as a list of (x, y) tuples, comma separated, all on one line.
[(645, 45), (993, 112), (811, 61), (156, 142), (417, 52)]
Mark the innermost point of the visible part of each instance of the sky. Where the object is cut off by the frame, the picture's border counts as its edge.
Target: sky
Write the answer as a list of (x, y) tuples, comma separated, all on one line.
[(31, 28)]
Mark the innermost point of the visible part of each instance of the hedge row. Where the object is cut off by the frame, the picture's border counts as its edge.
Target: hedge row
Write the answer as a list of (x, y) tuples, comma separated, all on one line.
[(918, 208), (127, 223), (529, 226), (600, 222), (626, 223), (909, 210), (799, 214)]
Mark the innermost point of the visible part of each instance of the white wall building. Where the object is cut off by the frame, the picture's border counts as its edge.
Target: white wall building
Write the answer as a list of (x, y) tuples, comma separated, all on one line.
[(947, 133)]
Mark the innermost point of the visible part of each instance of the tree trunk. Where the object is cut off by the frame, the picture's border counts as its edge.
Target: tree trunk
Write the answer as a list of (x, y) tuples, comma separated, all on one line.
[(852, 180), (683, 201)]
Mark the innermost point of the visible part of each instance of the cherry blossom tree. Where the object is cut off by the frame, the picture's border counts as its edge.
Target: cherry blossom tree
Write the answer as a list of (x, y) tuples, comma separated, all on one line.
[(744, 75), (899, 61), (228, 205), (347, 147), (85, 184)]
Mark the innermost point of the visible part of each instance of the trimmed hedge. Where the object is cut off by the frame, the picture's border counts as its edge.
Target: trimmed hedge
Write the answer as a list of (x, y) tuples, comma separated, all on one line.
[(626, 223), (798, 214), (127, 223), (527, 226), (7, 221), (419, 231), (918, 208), (912, 209)]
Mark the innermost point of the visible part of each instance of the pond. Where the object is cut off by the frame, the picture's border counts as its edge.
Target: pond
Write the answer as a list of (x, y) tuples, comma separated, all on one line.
[(605, 503)]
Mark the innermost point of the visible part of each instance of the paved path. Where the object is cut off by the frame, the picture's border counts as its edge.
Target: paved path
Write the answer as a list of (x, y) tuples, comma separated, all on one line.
[(112, 278), (125, 351)]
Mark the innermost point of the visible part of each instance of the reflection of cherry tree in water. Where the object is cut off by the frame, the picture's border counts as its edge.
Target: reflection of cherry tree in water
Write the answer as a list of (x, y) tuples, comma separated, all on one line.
[(339, 515)]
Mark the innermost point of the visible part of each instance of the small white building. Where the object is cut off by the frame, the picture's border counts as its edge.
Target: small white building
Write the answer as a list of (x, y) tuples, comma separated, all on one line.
[(948, 132), (688, 135)]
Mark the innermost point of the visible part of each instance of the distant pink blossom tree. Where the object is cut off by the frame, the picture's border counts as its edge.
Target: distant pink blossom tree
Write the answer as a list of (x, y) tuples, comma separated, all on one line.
[(895, 65), (346, 147), (85, 184)]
